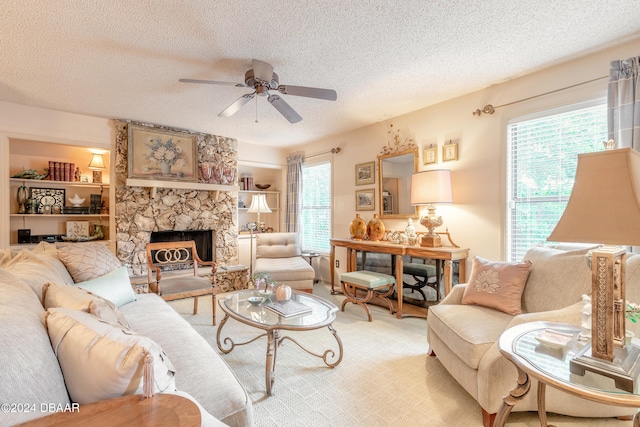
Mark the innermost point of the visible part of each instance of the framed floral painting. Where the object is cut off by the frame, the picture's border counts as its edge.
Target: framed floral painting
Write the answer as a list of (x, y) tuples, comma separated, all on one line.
[(162, 154)]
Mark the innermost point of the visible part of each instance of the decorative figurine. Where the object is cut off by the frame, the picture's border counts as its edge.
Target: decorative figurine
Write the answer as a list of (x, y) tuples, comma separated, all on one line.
[(585, 324)]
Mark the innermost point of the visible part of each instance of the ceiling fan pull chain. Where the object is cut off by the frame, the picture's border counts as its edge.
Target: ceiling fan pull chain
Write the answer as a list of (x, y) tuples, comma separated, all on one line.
[(256, 109)]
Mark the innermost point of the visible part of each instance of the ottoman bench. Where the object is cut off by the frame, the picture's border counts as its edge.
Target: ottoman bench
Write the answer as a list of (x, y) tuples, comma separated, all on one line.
[(374, 283)]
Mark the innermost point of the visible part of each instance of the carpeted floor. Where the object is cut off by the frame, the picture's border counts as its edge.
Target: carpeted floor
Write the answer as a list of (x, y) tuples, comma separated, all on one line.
[(385, 377)]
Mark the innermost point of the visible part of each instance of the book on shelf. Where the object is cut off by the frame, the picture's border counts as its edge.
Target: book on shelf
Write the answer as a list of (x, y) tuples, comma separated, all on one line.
[(288, 308)]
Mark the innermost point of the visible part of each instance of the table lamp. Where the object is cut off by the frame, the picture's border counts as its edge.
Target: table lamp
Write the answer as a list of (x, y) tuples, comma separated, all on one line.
[(258, 205), (97, 165), (427, 188), (604, 207)]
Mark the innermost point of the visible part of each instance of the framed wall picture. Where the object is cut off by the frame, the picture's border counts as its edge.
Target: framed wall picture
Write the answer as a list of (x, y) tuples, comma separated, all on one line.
[(162, 155), (449, 152), (365, 173), (430, 155), (365, 200)]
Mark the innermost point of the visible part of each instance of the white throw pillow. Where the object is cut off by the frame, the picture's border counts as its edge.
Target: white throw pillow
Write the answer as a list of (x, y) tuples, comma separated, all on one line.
[(100, 361), (55, 295), (114, 286)]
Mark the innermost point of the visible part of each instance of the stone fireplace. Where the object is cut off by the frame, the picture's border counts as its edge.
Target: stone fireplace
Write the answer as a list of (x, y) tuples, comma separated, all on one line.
[(139, 213)]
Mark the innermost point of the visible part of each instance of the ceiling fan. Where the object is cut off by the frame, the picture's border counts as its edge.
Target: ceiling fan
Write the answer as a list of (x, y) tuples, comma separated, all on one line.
[(262, 79)]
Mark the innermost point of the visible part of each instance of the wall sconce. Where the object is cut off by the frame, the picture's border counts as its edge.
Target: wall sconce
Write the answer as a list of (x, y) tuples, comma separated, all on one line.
[(97, 165)]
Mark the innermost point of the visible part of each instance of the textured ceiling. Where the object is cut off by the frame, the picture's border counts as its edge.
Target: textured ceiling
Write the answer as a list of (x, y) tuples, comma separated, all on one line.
[(123, 59)]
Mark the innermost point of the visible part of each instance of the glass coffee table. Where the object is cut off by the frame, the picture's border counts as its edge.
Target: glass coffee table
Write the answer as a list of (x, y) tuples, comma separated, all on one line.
[(236, 306)]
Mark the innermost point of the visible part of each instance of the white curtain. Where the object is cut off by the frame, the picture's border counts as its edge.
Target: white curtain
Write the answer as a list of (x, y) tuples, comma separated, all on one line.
[(624, 103), (294, 186)]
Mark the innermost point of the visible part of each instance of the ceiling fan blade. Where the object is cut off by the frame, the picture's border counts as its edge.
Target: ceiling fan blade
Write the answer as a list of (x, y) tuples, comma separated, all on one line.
[(309, 92), (212, 82), (236, 105), (262, 70), (284, 108)]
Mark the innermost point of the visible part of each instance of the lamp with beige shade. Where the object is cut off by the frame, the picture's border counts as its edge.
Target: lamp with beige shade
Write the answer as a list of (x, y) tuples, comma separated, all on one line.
[(258, 205), (427, 188), (97, 165), (604, 207)]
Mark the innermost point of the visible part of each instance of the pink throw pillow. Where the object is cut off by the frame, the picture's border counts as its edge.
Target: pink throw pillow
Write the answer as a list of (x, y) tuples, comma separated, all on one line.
[(497, 285)]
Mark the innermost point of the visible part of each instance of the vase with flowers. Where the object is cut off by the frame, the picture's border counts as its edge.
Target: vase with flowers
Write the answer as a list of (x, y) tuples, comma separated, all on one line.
[(165, 153), (264, 284)]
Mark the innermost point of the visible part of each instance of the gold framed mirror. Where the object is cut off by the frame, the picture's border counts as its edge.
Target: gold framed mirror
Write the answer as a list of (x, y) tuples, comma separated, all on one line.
[(394, 184)]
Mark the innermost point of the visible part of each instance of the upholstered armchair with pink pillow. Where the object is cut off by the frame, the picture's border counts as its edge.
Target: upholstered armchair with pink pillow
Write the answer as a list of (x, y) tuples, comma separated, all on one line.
[(464, 328)]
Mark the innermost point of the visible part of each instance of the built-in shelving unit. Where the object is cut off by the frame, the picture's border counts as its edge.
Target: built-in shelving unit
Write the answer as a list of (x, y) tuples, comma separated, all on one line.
[(267, 174), (273, 200), (36, 154)]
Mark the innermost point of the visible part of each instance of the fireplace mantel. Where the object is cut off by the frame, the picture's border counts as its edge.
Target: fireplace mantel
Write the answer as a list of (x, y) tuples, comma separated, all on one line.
[(155, 184)]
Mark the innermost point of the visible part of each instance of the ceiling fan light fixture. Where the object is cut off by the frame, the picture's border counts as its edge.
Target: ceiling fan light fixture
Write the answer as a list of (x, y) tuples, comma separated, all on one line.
[(262, 90), (262, 79)]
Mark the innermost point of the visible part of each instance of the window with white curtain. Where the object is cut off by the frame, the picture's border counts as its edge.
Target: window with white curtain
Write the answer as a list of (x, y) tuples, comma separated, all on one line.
[(542, 159), (315, 206)]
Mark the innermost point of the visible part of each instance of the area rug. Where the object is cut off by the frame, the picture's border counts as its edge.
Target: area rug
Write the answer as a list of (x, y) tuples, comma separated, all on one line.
[(385, 377)]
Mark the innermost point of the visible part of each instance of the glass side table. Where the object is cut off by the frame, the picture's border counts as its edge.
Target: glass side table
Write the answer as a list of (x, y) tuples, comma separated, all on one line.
[(550, 366)]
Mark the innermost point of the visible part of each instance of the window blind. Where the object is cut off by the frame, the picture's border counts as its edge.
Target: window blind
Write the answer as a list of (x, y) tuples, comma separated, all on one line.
[(315, 209), (543, 154)]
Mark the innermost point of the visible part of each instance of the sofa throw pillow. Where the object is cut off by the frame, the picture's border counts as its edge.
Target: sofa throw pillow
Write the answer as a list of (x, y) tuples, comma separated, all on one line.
[(86, 261), (100, 361), (36, 269), (497, 285), (67, 296), (114, 286)]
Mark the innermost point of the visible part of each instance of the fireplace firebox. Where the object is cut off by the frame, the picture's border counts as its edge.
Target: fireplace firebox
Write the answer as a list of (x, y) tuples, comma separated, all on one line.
[(203, 239)]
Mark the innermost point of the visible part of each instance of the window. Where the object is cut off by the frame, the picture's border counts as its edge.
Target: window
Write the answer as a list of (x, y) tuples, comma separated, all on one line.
[(542, 159), (315, 209)]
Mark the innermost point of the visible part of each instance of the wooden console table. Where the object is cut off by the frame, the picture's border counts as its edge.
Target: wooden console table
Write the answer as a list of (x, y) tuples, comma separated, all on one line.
[(448, 254)]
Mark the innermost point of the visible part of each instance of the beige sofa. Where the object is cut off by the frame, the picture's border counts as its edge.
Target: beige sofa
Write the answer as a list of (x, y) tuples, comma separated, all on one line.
[(463, 337), (279, 254), (33, 376)]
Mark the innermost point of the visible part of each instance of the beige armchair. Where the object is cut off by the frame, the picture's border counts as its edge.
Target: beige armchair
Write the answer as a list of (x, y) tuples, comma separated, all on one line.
[(464, 337), (280, 255)]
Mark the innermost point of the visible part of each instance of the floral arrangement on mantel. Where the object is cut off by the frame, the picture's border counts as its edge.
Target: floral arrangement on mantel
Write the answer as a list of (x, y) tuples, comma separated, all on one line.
[(165, 152)]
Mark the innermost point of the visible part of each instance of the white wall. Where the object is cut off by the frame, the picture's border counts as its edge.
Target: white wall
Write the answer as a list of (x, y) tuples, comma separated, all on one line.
[(476, 219)]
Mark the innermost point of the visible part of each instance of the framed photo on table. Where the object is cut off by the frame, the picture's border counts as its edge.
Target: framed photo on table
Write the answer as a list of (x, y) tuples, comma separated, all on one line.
[(365, 200), (162, 155), (365, 173)]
